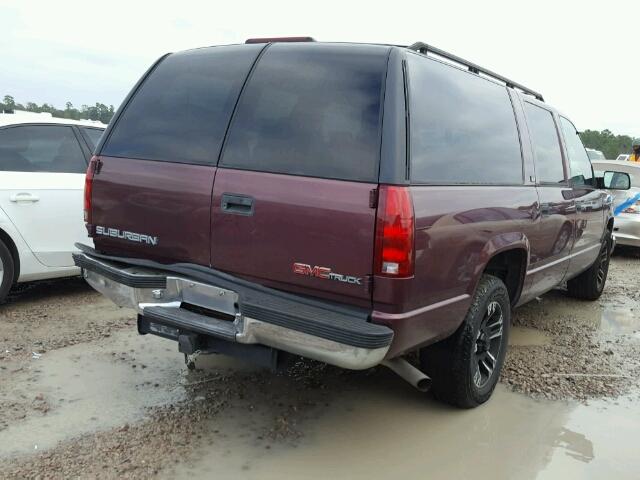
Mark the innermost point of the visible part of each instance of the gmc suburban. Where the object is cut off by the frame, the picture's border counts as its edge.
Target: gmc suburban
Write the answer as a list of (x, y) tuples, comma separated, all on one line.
[(349, 203)]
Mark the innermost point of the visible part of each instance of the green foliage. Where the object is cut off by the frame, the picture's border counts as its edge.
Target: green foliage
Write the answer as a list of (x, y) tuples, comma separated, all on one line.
[(608, 143), (98, 112)]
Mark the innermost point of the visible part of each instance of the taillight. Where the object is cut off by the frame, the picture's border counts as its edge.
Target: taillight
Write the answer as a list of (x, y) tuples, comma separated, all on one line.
[(88, 187), (394, 232)]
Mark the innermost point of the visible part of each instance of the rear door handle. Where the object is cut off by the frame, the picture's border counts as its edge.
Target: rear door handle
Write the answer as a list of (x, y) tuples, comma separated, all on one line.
[(24, 197), (237, 204)]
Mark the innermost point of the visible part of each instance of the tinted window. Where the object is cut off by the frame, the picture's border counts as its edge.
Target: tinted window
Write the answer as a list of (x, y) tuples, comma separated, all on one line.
[(40, 149), (182, 109), (311, 110), (546, 146), (579, 163), (463, 128), (92, 135)]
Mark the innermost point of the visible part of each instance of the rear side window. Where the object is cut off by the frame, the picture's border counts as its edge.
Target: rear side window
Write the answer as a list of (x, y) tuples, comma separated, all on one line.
[(92, 135), (181, 111), (40, 148), (579, 163), (463, 127), (311, 110), (546, 144)]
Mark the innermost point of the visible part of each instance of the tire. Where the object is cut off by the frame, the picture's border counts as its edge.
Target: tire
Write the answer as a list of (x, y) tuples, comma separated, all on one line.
[(7, 271), (455, 364), (590, 283)]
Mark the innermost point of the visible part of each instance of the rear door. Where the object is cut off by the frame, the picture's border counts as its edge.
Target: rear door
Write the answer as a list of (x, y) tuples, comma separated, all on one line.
[(552, 239), (292, 197), (41, 181), (152, 194)]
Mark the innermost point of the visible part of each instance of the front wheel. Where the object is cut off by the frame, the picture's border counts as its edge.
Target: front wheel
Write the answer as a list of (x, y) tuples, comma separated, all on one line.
[(6, 271), (466, 366), (590, 283)]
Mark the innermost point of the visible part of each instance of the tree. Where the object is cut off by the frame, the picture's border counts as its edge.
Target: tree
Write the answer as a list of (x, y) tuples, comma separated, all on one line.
[(100, 111), (9, 102), (608, 143)]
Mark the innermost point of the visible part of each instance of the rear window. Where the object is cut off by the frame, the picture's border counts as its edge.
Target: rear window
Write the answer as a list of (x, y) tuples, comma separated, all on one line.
[(463, 127), (181, 111), (311, 110)]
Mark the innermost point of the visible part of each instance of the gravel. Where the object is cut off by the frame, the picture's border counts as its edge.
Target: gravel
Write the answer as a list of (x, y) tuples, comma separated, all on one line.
[(44, 316), (174, 432), (587, 356)]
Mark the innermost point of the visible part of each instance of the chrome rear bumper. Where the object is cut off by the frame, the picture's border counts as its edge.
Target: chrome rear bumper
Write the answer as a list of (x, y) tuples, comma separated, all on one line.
[(260, 317)]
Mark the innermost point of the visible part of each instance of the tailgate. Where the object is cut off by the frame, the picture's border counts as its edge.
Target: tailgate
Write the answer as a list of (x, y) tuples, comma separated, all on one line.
[(292, 202), (314, 234)]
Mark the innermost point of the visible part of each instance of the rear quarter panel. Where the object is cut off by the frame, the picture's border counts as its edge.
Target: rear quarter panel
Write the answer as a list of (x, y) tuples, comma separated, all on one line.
[(458, 230)]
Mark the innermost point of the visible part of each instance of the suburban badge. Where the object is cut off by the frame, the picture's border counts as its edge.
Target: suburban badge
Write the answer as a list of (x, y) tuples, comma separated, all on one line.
[(126, 235)]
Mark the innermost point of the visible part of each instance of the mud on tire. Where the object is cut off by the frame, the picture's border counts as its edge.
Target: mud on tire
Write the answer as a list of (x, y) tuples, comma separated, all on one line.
[(466, 366)]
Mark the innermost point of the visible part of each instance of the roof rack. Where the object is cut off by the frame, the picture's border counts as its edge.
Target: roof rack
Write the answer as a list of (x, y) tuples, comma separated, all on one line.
[(280, 39), (425, 49)]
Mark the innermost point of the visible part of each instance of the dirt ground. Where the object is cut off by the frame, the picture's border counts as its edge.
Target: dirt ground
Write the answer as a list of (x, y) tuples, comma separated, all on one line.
[(84, 396)]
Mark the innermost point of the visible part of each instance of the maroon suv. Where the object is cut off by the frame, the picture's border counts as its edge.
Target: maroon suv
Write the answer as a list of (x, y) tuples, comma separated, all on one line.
[(350, 203)]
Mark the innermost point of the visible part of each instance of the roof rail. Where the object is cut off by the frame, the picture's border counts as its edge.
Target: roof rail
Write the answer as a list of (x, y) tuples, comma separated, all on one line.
[(280, 39), (425, 49)]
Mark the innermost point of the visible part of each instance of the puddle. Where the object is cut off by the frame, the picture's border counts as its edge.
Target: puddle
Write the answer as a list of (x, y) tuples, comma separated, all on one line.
[(89, 389), (386, 431), (620, 321), (526, 336)]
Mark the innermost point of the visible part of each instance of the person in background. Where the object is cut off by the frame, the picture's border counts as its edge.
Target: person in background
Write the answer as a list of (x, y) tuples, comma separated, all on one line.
[(635, 154)]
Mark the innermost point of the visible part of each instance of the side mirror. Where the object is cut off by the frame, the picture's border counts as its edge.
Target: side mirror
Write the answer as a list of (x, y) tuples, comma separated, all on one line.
[(617, 181)]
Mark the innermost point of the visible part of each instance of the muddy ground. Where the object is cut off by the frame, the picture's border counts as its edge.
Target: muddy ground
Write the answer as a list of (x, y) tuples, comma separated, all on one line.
[(83, 396)]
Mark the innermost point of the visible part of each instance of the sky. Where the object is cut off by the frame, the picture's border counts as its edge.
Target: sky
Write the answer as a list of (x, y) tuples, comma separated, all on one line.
[(583, 56)]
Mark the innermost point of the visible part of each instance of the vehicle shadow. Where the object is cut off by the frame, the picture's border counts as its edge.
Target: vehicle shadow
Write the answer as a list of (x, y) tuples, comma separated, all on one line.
[(43, 289), (626, 252)]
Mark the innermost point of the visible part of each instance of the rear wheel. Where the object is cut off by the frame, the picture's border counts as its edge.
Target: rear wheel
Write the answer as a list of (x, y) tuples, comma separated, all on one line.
[(466, 366), (6, 271), (590, 283)]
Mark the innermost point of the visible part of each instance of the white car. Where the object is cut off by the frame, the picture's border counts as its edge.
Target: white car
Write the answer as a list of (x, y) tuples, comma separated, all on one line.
[(43, 161), (626, 203), (622, 158), (595, 154)]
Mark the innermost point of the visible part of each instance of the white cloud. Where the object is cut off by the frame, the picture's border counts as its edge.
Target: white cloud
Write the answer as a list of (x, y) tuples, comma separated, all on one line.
[(583, 56)]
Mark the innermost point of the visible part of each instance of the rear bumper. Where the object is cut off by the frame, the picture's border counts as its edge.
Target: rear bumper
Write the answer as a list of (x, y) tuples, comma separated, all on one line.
[(234, 310)]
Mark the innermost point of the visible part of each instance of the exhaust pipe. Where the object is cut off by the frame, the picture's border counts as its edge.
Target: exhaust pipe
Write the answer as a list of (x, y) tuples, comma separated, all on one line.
[(410, 373)]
